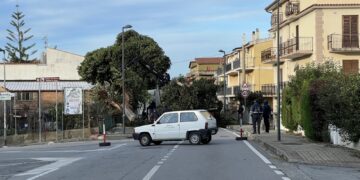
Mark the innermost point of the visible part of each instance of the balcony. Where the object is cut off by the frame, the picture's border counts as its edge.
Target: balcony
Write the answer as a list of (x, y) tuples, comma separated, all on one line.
[(230, 91), (292, 9), (234, 67), (268, 56), (296, 48), (340, 43), (269, 90), (274, 19)]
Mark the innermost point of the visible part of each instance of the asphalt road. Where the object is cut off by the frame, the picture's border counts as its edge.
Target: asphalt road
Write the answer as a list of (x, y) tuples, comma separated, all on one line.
[(224, 158)]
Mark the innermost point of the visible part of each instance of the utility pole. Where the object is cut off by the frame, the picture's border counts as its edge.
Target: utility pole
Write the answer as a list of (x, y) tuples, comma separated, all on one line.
[(224, 67), (5, 129), (123, 73), (278, 71)]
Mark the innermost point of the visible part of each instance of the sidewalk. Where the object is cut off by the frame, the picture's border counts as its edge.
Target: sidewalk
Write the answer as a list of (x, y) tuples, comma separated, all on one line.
[(298, 149)]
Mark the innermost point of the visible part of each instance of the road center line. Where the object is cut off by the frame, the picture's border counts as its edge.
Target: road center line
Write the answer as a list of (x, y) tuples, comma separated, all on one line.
[(151, 172)]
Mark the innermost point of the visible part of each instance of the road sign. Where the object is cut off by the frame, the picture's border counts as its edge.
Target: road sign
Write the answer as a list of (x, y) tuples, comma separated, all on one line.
[(245, 87), (245, 94), (5, 96)]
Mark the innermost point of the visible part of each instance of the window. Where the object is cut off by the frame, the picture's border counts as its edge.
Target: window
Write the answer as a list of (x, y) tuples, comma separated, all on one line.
[(188, 117), (24, 96), (350, 31), (169, 118), (351, 66)]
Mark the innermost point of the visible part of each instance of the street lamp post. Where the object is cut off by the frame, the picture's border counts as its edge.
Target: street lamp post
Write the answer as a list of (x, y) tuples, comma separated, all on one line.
[(4, 100), (123, 73), (222, 51), (278, 71)]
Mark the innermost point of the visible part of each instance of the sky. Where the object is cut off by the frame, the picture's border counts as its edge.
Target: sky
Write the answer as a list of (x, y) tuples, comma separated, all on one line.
[(184, 29)]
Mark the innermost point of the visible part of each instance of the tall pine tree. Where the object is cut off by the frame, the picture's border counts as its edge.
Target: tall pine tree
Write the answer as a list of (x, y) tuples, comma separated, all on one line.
[(16, 48)]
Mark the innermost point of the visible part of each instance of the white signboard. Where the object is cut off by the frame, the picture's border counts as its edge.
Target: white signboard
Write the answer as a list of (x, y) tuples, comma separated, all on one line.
[(6, 96), (73, 101)]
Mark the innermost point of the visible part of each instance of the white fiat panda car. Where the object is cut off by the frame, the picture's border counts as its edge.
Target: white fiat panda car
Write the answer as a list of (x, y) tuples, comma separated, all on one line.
[(197, 126)]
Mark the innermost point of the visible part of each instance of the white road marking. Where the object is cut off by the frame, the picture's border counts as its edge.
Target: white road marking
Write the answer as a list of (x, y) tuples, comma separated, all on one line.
[(43, 170), (278, 172), (272, 166), (156, 167), (262, 157), (42, 174), (67, 151), (151, 172), (286, 178)]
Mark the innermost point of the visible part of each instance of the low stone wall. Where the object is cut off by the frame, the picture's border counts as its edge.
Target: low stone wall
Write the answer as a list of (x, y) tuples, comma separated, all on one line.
[(29, 138)]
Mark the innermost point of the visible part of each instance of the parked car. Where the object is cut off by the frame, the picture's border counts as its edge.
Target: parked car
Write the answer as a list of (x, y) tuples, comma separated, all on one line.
[(197, 126)]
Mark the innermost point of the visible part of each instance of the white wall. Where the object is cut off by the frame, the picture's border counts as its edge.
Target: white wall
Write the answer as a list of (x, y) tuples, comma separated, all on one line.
[(58, 64)]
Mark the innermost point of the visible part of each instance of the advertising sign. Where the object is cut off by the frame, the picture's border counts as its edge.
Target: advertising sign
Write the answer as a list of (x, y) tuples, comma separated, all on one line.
[(73, 101)]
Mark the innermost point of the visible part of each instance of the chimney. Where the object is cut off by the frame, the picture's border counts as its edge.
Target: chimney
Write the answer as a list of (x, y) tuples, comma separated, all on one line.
[(253, 36), (257, 35)]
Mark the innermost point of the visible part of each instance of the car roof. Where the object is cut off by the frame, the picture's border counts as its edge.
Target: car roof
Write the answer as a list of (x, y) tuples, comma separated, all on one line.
[(196, 110)]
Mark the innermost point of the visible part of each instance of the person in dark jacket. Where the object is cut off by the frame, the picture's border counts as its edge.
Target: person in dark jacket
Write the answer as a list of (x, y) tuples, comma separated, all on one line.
[(256, 111), (266, 114)]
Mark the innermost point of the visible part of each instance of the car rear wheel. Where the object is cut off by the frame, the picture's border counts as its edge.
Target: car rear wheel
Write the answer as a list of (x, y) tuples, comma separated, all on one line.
[(144, 139), (157, 142), (206, 140), (194, 138)]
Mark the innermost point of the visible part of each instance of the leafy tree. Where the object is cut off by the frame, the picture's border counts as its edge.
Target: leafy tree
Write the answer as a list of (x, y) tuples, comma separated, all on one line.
[(180, 95), (16, 48), (146, 64)]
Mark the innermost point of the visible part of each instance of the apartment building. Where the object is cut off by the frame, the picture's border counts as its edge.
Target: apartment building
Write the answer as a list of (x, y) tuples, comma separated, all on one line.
[(204, 67), (244, 65), (314, 31)]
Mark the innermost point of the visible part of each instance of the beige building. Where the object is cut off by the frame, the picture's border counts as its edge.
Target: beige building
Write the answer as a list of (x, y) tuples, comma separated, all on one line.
[(54, 63), (257, 75), (204, 67), (314, 31)]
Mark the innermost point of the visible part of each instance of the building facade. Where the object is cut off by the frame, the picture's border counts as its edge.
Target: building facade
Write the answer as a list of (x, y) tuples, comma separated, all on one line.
[(314, 31), (244, 66), (204, 68), (40, 87)]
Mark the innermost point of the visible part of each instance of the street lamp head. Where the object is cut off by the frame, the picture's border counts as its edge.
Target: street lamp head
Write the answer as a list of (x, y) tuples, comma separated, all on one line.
[(127, 26), (222, 51), (2, 50)]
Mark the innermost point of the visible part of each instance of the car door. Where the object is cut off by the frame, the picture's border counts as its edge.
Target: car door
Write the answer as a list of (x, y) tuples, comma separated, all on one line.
[(188, 122), (167, 127)]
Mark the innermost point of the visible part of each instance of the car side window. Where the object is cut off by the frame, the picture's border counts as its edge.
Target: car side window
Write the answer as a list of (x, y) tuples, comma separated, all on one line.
[(188, 117), (169, 118)]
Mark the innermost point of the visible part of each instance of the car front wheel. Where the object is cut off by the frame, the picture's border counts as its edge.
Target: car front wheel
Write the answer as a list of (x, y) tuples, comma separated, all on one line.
[(145, 139), (194, 138)]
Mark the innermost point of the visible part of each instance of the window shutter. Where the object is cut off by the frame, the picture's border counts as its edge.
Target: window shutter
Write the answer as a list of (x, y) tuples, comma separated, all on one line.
[(354, 31), (346, 31), (351, 66)]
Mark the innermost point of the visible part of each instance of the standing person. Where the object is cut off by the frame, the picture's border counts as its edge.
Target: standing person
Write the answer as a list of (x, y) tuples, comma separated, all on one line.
[(241, 111), (256, 116), (266, 114)]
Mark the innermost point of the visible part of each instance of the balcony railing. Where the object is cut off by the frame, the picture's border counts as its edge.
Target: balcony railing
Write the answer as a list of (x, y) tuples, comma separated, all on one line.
[(296, 47), (292, 8), (268, 55), (270, 89), (236, 64), (228, 67), (274, 19), (230, 91), (344, 42)]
